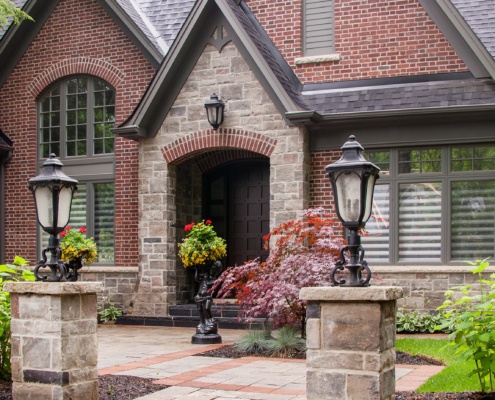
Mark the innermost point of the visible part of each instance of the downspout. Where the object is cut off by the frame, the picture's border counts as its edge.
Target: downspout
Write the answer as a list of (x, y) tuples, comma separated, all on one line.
[(4, 159)]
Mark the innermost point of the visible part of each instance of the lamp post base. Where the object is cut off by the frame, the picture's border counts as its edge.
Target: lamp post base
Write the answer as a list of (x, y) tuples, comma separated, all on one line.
[(206, 338)]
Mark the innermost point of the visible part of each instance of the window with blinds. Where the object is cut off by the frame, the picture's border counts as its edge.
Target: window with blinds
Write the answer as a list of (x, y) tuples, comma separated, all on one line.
[(432, 205), (318, 27)]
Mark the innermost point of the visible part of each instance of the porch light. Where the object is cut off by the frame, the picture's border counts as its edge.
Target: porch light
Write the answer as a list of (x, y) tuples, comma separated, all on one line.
[(353, 181), (53, 192), (214, 111)]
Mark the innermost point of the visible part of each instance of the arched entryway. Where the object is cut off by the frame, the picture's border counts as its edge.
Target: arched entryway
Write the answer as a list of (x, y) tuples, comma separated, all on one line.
[(236, 197)]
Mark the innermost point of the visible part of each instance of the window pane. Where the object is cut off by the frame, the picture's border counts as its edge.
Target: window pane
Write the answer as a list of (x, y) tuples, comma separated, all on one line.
[(376, 241), (420, 222), (473, 220), (78, 210), (473, 158), (420, 161), (381, 159), (104, 221)]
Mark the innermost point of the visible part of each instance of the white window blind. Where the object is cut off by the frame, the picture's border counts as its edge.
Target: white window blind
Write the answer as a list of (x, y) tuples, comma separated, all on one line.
[(420, 222), (376, 240)]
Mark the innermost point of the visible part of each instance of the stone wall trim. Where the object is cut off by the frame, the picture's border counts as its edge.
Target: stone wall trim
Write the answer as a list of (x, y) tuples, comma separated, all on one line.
[(54, 288)]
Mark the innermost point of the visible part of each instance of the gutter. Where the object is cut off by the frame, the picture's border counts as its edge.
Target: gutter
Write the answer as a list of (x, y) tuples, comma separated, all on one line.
[(312, 116)]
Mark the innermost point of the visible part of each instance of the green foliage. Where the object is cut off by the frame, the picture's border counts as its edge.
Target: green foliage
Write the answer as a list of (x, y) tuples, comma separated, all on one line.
[(286, 342), (416, 322), (109, 313), (9, 11), (471, 310), (17, 271), (255, 341), (454, 377)]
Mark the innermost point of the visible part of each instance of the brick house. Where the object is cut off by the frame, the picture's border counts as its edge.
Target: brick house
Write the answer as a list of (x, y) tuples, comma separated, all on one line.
[(117, 90)]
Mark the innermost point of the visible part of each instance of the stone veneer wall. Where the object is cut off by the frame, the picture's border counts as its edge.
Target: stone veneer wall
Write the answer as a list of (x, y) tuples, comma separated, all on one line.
[(424, 286), (250, 117), (119, 283)]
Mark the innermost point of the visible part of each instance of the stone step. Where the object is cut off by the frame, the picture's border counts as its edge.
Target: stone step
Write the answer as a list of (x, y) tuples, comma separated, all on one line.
[(218, 311), (189, 321)]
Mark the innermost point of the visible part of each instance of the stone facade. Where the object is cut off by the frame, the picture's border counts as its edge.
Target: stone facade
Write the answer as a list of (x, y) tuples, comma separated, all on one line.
[(54, 340), (351, 342), (170, 178)]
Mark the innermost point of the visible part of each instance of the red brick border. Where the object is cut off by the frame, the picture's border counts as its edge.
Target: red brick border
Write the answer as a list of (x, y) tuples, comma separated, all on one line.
[(204, 141), (75, 66)]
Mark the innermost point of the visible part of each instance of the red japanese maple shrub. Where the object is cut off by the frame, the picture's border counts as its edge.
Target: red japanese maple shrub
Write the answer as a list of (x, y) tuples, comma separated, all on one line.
[(303, 254)]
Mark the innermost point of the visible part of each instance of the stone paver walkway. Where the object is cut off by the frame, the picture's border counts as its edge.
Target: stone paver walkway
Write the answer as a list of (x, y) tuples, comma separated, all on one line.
[(166, 355)]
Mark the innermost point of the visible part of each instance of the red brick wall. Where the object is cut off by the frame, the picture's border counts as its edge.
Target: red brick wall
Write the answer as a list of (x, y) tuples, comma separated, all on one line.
[(81, 30), (320, 189), (374, 38)]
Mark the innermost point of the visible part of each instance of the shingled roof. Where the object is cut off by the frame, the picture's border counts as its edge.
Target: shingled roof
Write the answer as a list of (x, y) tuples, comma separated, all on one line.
[(451, 93), (480, 16)]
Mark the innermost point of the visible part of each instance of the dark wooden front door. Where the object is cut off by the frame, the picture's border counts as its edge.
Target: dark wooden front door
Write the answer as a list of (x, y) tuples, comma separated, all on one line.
[(237, 200)]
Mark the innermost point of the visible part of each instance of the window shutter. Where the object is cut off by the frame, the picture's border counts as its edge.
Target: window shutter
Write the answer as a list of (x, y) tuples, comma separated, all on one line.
[(318, 27)]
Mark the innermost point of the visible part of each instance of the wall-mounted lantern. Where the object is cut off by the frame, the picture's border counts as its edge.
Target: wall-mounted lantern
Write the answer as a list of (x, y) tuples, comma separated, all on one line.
[(214, 111)]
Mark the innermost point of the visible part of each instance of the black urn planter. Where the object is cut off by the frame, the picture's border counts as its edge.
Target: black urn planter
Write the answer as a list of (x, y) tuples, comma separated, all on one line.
[(207, 330), (72, 267)]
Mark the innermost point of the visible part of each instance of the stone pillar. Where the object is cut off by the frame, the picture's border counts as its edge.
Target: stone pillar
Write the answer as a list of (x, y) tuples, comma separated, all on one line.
[(54, 340), (351, 342)]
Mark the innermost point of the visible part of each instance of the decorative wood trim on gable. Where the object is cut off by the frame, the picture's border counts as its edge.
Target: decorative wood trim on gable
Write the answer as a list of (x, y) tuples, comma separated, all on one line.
[(73, 66), (219, 38), (204, 141)]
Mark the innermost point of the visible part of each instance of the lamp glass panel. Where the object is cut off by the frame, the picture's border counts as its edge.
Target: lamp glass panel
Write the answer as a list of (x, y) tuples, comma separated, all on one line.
[(212, 115), (44, 206), (369, 198), (349, 196), (64, 203)]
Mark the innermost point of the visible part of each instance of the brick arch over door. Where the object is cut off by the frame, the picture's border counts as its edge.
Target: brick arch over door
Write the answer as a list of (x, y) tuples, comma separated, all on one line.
[(76, 66), (201, 142)]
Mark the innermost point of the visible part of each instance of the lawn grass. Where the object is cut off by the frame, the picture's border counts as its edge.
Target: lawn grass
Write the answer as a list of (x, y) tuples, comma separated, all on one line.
[(453, 378)]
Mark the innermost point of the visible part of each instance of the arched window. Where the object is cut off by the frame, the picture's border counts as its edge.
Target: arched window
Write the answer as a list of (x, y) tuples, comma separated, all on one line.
[(75, 117)]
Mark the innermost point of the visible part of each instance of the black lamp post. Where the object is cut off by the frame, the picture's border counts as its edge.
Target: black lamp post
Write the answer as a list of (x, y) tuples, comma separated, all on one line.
[(214, 111), (353, 181), (53, 192)]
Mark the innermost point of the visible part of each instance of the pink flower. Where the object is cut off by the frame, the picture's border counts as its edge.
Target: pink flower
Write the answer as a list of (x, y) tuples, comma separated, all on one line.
[(208, 222)]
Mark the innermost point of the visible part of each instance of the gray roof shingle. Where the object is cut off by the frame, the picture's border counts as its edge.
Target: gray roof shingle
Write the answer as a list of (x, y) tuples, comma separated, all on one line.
[(467, 92), (480, 16)]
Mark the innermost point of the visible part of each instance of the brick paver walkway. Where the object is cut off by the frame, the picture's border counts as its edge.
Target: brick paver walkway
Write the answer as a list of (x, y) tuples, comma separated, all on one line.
[(166, 355)]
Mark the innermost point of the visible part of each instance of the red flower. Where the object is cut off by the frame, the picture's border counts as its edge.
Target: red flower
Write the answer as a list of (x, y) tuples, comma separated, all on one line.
[(188, 227), (82, 229), (63, 234), (68, 228), (208, 222)]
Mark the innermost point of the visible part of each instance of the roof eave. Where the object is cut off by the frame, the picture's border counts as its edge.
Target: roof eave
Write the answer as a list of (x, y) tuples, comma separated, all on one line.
[(312, 117)]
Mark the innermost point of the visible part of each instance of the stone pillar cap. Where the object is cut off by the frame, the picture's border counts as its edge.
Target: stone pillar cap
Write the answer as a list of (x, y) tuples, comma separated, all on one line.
[(337, 293), (53, 288)]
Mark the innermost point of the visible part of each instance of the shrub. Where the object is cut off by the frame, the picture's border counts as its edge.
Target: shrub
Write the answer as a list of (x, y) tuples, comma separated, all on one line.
[(17, 271), (110, 313), (416, 322), (286, 342), (303, 255), (470, 309), (255, 341)]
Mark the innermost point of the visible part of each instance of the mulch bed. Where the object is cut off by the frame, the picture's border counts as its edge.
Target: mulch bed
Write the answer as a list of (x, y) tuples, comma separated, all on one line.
[(110, 387), (123, 387)]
